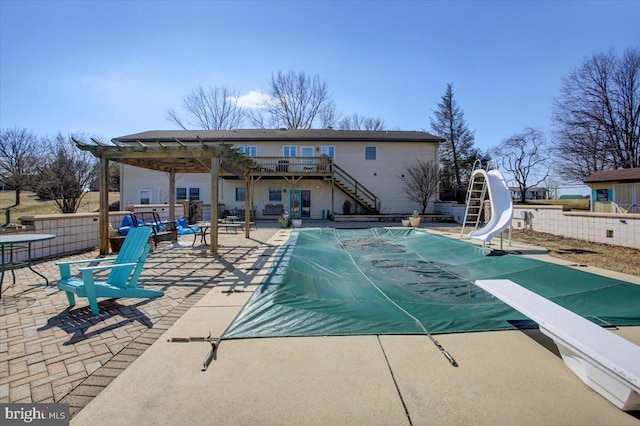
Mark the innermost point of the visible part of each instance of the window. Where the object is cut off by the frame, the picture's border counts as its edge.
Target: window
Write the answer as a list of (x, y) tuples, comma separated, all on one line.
[(240, 193), (248, 150), (181, 193), (329, 151), (187, 193), (194, 193), (290, 151), (275, 193), (306, 151), (144, 196), (369, 152)]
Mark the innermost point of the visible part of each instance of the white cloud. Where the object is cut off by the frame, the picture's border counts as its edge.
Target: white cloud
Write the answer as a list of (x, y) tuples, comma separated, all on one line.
[(254, 99)]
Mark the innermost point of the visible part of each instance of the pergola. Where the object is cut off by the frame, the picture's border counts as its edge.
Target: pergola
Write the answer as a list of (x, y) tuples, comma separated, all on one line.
[(171, 157)]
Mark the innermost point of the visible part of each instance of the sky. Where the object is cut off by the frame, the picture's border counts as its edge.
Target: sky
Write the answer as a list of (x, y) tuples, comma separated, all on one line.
[(113, 68)]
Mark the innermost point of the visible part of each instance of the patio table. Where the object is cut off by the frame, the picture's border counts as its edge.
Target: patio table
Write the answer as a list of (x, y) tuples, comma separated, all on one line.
[(17, 241)]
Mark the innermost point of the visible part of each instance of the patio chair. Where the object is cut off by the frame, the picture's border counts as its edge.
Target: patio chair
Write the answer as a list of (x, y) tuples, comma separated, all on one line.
[(183, 227), (123, 278), (162, 231)]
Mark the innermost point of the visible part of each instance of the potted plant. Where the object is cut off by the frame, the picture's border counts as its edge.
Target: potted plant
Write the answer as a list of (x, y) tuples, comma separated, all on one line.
[(283, 220), (414, 220), (405, 222), (296, 223), (115, 240)]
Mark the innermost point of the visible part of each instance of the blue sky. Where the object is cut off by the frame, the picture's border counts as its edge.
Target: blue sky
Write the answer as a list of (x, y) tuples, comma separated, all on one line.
[(111, 68)]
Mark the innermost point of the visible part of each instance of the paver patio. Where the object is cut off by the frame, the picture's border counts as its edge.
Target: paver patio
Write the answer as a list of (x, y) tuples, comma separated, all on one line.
[(52, 353)]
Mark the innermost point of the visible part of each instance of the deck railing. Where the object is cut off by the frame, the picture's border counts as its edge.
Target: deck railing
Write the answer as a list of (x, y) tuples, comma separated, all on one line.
[(293, 164)]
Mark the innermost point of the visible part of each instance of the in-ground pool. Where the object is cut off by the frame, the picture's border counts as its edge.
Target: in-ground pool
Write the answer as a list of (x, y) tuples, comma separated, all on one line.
[(404, 281)]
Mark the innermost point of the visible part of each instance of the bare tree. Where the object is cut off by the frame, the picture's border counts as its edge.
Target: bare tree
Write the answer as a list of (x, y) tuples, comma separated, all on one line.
[(18, 153), (598, 115), (65, 175), (421, 182), (211, 108), (296, 101), (526, 156), (456, 153), (361, 122)]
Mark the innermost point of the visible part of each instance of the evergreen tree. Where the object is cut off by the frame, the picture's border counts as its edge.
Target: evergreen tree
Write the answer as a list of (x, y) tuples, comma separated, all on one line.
[(457, 153)]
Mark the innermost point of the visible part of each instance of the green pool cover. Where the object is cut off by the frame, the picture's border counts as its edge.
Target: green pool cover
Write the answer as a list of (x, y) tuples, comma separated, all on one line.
[(402, 281)]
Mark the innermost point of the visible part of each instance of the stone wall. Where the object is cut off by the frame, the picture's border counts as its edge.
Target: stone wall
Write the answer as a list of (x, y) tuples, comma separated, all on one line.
[(74, 232), (620, 229)]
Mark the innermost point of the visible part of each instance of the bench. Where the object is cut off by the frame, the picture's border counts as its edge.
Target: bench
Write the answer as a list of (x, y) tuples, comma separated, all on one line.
[(606, 362), (273, 210)]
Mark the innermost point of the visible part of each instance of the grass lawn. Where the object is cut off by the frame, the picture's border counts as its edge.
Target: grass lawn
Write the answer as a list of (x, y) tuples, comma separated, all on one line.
[(30, 205)]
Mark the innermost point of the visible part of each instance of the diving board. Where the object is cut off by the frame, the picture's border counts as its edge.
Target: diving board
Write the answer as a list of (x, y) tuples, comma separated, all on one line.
[(606, 362)]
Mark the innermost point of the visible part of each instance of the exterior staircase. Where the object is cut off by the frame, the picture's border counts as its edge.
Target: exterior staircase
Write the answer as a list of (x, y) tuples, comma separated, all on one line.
[(350, 186)]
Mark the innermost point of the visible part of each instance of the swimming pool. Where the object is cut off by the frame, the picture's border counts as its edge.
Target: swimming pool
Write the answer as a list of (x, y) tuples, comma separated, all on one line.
[(404, 281)]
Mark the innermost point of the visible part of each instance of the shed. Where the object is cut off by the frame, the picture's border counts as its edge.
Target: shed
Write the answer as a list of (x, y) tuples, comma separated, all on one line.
[(615, 191)]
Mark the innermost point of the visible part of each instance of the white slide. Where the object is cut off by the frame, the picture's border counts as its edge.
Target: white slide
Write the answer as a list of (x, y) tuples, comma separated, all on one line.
[(501, 206)]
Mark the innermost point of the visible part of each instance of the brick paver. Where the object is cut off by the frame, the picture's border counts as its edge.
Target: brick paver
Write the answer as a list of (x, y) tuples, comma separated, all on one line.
[(50, 352)]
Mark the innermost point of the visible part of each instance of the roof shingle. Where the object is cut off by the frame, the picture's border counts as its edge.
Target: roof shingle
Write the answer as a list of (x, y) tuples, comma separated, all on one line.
[(619, 175)]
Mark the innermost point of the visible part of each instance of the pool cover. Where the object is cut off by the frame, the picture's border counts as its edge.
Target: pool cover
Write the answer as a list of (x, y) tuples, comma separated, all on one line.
[(402, 281)]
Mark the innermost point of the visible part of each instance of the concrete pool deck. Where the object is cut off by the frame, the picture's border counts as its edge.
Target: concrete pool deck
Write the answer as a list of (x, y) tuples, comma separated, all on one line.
[(504, 377), (120, 368)]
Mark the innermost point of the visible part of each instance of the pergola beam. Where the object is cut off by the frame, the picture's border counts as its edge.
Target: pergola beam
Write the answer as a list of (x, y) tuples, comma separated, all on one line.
[(172, 157)]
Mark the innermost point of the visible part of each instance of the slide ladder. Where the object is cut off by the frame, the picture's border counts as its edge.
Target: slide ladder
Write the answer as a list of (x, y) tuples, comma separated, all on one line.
[(488, 182), (475, 202)]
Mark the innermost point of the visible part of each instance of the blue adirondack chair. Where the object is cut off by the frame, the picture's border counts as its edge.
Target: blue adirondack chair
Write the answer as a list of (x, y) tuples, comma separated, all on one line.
[(123, 278)]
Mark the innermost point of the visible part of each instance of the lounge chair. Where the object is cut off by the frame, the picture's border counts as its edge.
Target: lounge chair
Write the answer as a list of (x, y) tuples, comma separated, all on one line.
[(123, 278)]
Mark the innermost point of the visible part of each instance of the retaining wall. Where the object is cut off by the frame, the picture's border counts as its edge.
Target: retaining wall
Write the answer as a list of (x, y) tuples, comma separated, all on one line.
[(619, 229), (74, 233)]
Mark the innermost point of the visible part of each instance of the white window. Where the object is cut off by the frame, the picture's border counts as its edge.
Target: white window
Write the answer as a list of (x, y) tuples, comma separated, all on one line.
[(290, 151), (306, 151), (369, 152), (144, 196), (248, 150), (240, 193), (187, 193), (328, 150), (275, 193)]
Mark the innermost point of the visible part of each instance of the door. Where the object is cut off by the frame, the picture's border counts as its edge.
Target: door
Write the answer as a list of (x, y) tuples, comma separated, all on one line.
[(294, 204), (300, 203), (305, 202)]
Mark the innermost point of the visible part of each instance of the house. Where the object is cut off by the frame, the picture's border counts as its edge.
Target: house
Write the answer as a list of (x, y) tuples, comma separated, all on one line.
[(307, 173), (615, 191), (533, 193)]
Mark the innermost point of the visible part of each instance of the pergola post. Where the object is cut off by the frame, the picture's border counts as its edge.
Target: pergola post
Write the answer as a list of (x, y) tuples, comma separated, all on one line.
[(215, 172), (103, 224), (247, 212), (172, 196)]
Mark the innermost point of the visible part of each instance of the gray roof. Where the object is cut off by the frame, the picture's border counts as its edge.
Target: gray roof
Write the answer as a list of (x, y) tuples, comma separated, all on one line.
[(620, 175), (301, 135)]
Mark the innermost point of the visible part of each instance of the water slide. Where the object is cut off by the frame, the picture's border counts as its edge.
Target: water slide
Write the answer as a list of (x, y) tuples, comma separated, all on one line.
[(501, 206)]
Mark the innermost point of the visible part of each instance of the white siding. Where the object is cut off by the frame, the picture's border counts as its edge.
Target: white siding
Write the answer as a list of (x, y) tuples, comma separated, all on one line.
[(381, 176)]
